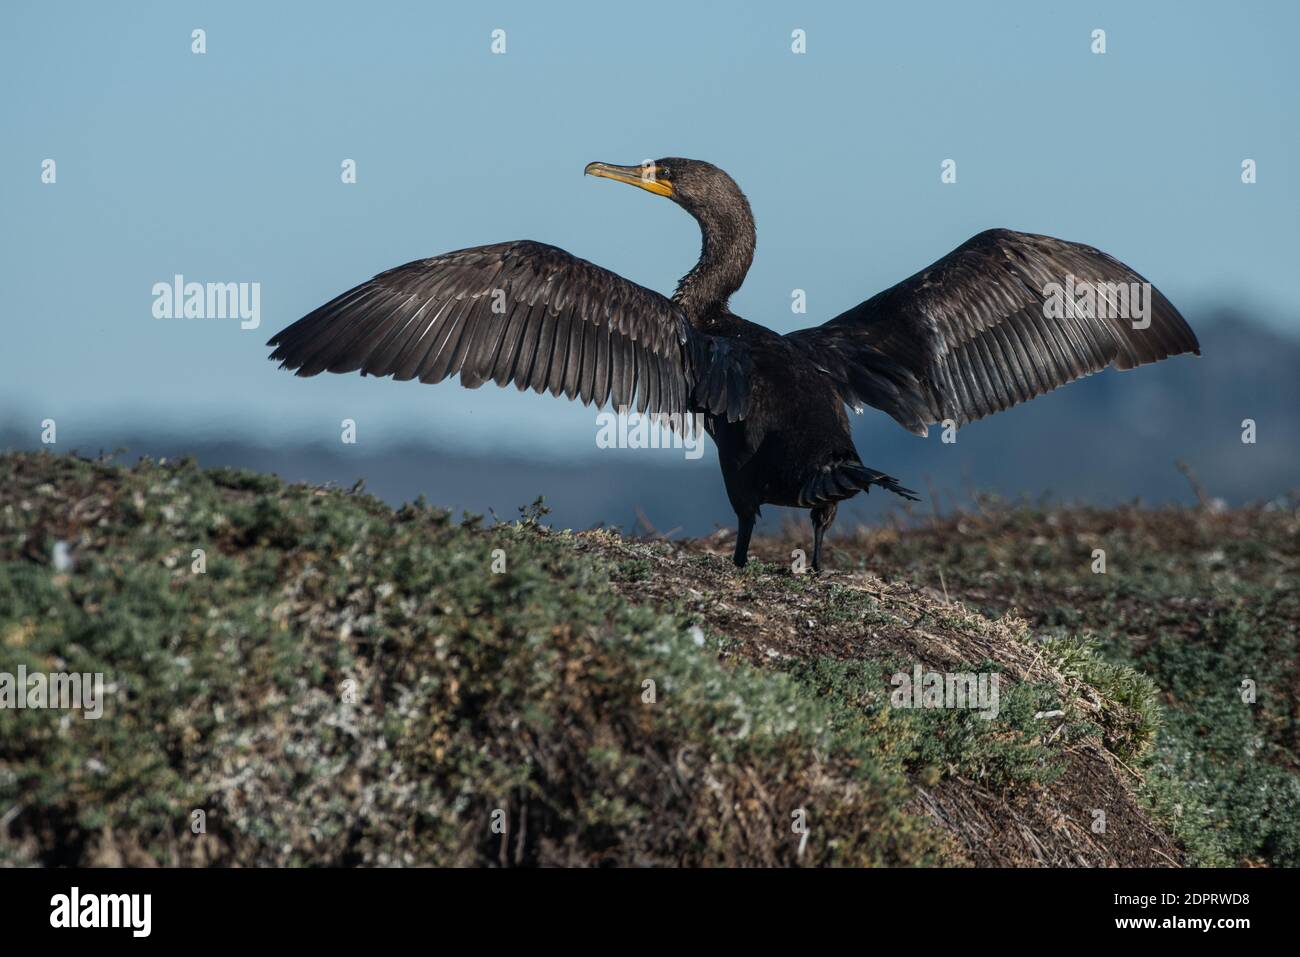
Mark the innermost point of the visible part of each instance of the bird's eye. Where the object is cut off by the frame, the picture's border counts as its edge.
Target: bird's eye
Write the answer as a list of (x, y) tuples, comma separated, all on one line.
[(662, 172)]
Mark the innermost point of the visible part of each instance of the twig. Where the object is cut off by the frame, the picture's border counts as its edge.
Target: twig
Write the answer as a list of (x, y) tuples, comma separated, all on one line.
[(1201, 495), (644, 521), (1127, 768)]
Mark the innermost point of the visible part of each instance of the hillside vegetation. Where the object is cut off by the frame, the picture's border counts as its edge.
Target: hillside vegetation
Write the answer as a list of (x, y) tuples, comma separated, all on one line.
[(329, 681)]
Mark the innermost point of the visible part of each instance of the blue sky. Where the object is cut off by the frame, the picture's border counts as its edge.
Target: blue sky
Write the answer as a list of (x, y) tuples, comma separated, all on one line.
[(225, 166)]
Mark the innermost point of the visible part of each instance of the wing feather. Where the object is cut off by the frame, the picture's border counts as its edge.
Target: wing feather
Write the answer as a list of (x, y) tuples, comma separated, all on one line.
[(521, 312), (992, 325)]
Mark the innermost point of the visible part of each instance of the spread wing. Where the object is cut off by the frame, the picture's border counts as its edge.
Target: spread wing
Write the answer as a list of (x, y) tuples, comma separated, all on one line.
[(521, 312), (1001, 319)]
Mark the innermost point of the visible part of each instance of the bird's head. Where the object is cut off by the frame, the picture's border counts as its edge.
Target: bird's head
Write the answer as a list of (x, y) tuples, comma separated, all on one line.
[(692, 184), (718, 205)]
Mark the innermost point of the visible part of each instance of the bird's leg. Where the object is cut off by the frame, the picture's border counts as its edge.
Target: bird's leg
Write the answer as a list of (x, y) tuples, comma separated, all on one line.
[(822, 517), (742, 539)]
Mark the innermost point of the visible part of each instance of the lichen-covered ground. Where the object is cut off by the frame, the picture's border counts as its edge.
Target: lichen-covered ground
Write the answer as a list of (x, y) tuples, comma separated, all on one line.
[(345, 684)]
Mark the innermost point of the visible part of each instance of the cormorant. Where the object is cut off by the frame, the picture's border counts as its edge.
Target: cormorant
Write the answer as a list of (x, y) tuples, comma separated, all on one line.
[(1001, 319)]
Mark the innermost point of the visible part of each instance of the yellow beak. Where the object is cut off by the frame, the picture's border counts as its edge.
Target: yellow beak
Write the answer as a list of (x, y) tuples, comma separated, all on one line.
[(643, 176)]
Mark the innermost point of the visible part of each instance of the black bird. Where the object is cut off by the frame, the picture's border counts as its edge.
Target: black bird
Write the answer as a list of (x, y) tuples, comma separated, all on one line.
[(999, 320)]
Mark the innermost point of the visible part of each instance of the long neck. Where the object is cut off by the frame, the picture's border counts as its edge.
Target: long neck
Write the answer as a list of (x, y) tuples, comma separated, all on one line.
[(728, 234)]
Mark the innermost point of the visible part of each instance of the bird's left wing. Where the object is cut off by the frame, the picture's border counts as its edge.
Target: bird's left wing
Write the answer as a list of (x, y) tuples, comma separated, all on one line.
[(521, 312), (1004, 317)]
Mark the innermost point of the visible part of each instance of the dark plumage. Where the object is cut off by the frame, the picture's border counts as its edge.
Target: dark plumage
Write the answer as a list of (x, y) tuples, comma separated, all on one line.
[(979, 331)]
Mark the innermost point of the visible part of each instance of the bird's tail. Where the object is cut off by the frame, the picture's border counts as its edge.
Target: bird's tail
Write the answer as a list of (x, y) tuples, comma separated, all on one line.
[(842, 480)]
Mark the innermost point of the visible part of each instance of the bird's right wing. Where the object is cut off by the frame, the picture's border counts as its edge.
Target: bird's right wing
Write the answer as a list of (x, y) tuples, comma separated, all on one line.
[(977, 331), (521, 312)]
